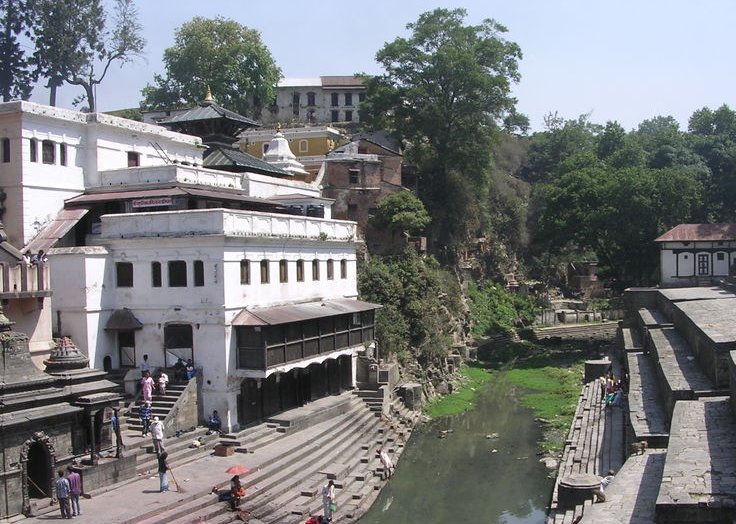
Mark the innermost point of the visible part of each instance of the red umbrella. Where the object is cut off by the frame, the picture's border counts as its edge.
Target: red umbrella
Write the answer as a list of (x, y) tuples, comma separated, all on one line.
[(237, 470)]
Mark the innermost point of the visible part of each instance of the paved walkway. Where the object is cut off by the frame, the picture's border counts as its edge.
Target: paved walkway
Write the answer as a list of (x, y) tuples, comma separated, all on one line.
[(646, 413)]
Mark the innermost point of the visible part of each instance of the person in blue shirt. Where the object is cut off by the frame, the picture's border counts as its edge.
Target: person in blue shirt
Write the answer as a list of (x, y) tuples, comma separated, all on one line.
[(214, 423), (62, 493), (145, 415)]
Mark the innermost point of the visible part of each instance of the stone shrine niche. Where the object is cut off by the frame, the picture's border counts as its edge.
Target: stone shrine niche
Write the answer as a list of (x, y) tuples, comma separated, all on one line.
[(38, 463)]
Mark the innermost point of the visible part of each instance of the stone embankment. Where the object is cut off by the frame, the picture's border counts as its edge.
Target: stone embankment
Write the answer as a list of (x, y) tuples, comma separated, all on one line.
[(679, 348)]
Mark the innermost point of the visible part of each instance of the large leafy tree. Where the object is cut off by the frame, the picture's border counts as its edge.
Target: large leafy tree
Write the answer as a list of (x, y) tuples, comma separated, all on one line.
[(713, 137), (223, 54), (445, 91), (76, 45), (401, 212), (17, 75)]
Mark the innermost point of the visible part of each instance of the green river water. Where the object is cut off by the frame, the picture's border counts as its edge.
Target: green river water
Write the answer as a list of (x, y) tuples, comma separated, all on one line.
[(460, 479)]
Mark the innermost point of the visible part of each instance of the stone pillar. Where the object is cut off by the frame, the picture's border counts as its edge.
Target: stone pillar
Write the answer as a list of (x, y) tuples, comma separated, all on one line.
[(92, 446)]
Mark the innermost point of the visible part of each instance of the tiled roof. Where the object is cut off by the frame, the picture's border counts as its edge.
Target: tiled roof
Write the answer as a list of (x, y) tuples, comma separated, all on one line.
[(342, 81), (699, 232)]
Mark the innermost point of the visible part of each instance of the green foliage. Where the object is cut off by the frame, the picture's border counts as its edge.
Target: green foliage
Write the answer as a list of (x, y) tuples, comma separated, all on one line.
[(401, 212), (493, 309), (76, 45), (417, 304), (461, 400), (223, 54), (16, 70), (446, 91)]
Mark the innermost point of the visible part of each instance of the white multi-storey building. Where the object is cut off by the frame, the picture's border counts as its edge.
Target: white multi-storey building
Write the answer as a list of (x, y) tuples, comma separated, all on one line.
[(152, 254)]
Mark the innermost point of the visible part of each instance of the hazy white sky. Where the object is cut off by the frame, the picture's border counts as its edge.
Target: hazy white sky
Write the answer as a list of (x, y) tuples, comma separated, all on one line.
[(626, 60)]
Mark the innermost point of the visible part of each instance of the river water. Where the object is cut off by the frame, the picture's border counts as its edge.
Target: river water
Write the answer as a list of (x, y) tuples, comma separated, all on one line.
[(467, 478)]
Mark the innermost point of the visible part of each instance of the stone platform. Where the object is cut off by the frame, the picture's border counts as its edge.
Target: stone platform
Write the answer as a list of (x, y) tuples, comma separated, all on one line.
[(647, 416)]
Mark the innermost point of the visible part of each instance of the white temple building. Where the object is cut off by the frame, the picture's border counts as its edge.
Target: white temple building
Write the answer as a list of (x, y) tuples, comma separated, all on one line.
[(244, 271)]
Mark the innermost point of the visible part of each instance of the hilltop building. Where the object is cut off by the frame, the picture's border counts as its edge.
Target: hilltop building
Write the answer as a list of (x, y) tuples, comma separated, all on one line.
[(691, 254), (320, 100)]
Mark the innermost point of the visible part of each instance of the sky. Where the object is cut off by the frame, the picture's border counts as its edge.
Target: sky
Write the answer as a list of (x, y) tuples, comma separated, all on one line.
[(626, 60)]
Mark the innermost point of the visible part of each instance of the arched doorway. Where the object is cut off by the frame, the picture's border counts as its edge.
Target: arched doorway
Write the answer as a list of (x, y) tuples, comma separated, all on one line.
[(38, 460), (107, 363), (39, 465)]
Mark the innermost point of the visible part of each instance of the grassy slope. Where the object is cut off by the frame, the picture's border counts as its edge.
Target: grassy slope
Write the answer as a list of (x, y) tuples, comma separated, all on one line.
[(461, 400)]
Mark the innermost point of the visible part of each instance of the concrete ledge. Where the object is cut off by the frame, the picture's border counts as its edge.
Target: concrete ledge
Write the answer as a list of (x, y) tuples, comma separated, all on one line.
[(680, 377), (646, 413), (699, 477), (632, 495)]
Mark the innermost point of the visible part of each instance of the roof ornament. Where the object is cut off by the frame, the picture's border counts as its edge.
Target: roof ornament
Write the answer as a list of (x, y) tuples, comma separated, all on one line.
[(208, 95)]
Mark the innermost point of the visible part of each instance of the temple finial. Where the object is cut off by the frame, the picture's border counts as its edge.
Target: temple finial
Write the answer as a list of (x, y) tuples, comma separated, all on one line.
[(208, 95)]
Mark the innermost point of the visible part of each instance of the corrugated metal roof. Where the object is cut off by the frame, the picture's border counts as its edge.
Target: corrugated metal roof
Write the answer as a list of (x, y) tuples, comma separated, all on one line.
[(65, 220), (218, 156), (207, 111), (124, 195), (298, 197), (274, 315), (699, 232), (218, 194)]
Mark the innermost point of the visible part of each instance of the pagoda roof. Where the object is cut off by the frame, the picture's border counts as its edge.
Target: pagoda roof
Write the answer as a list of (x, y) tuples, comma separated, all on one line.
[(208, 110)]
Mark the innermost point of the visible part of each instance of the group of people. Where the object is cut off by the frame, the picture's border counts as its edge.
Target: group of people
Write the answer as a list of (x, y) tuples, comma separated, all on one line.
[(184, 370), (612, 390), (68, 491)]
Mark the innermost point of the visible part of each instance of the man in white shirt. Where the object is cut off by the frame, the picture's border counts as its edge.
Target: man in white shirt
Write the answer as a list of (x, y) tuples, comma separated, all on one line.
[(157, 435)]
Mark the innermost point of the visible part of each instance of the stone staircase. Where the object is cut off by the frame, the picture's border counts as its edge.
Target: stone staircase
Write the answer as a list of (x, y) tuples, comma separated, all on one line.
[(287, 487), (160, 407)]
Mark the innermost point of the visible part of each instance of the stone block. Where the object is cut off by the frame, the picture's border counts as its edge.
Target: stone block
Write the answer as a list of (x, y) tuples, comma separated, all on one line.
[(224, 451)]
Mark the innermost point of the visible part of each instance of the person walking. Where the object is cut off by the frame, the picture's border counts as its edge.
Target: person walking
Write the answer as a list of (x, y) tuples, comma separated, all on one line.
[(75, 490), (145, 366), (145, 414), (157, 435), (163, 381), (62, 493), (328, 499), (163, 467), (147, 386)]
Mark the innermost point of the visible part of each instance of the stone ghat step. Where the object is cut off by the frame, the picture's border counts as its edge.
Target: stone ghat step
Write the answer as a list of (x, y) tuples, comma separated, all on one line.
[(680, 376), (631, 339), (646, 411), (268, 475), (699, 477), (632, 494), (650, 318), (594, 444), (262, 504)]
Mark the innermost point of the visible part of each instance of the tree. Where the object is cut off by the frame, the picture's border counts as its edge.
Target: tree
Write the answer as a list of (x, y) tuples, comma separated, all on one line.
[(16, 72), (401, 212), (446, 90), (75, 45), (223, 54)]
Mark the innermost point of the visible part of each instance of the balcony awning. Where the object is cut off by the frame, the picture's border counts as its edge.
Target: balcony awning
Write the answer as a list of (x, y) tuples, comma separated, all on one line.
[(274, 315), (123, 320)]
